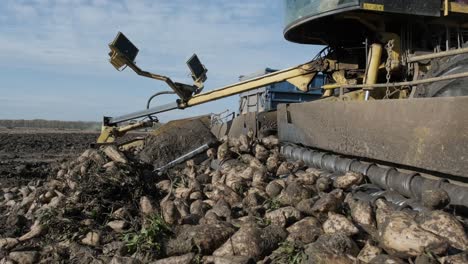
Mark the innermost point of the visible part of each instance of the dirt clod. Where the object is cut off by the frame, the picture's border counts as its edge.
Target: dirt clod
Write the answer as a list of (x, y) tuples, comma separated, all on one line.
[(24, 257), (435, 198), (91, 239)]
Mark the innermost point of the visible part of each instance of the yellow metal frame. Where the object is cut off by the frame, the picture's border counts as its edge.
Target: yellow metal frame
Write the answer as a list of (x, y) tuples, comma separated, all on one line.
[(110, 133), (373, 64), (300, 76), (454, 7)]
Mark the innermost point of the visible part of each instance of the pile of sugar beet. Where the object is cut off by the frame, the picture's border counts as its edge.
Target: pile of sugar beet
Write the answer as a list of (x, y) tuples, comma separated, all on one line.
[(243, 203)]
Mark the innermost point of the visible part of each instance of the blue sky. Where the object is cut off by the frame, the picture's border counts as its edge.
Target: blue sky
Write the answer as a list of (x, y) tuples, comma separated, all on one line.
[(53, 53)]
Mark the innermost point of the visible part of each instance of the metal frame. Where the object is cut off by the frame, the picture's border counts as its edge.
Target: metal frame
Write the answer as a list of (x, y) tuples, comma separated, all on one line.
[(300, 76), (150, 111), (457, 7)]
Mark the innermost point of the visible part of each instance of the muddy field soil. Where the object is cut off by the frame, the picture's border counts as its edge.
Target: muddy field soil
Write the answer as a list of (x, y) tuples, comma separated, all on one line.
[(33, 153), (27, 153)]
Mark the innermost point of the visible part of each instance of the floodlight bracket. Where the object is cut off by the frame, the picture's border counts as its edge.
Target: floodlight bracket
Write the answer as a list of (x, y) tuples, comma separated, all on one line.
[(198, 71), (123, 53)]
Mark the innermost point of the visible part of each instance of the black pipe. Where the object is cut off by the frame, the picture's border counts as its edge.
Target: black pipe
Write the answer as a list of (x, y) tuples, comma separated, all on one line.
[(370, 193), (148, 103), (407, 184)]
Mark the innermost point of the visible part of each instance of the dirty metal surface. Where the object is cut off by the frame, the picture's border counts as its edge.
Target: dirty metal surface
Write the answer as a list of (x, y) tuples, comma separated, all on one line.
[(221, 129), (175, 139), (242, 123), (263, 124), (430, 134), (267, 122)]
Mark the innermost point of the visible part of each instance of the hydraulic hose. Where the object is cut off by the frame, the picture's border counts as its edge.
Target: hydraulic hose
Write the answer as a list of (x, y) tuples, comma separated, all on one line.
[(148, 103), (407, 184)]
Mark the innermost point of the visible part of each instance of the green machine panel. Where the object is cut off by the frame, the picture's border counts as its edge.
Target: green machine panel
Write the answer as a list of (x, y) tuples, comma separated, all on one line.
[(324, 21)]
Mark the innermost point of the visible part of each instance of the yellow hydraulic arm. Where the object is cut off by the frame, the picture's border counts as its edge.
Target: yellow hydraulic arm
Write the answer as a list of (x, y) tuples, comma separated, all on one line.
[(123, 53), (121, 56), (300, 76)]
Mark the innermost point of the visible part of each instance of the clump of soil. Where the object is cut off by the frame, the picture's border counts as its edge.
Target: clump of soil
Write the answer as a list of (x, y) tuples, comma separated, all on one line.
[(175, 139)]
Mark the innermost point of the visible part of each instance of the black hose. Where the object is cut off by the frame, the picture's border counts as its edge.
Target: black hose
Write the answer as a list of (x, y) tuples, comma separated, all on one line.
[(407, 184), (152, 97), (157, 94)]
